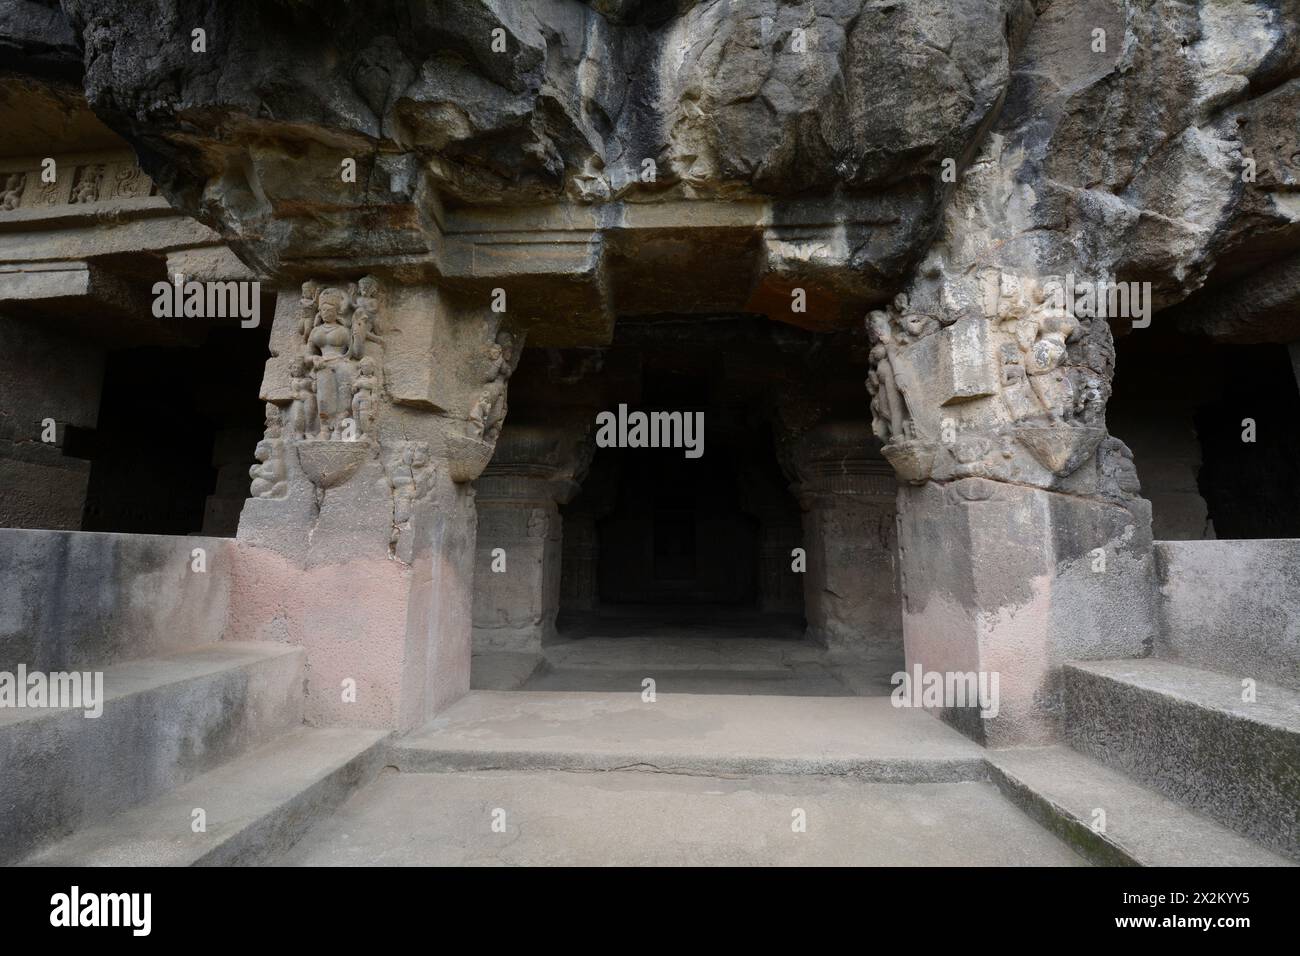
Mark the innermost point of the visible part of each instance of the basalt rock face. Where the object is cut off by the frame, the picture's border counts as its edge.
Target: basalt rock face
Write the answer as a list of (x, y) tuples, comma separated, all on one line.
[(855, 103), (1152, 142), (1145, 143), (36, 38)]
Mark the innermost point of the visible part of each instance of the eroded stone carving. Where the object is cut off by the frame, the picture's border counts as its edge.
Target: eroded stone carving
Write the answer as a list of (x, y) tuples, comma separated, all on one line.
[(87, 186), (268, 474), (75, 184), (130, 182), (489, 409), (1014, 390), (12, 195), (410, 474)]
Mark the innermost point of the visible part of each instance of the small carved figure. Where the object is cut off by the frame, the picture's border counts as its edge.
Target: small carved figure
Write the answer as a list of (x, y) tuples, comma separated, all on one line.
[(48, 195), (365, 299), (478, 415), (1090, 399), (12, 195), (496, 415), (410, 480), (889, 410), (273, 420), (87, 188), (302, 413), (268, 474), (363, 399), (307, 308)]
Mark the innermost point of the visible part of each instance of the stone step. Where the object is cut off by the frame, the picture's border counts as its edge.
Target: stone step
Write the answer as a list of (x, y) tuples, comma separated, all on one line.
[(1187, 733), (255, 807), (864, 737), (1063, 790), (165, 720), (621, 818)]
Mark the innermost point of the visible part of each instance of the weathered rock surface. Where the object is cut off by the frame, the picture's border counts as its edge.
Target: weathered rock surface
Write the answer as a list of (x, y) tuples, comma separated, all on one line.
[(520, 103)]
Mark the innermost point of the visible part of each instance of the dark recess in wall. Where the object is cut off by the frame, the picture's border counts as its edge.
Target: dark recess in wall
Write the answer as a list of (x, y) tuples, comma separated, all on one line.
[(1251, 487), (160, 414)]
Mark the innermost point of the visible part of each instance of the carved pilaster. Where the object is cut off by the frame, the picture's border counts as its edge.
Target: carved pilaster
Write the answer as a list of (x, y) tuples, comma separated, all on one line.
[(1022, 541), (536, 468), (384, 401), (851, 597)]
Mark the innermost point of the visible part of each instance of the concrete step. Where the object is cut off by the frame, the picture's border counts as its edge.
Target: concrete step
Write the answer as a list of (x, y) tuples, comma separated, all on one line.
[(1064, 790), (255, 807), (1187, 733), (165, 720), (621, 818), (864, 737)]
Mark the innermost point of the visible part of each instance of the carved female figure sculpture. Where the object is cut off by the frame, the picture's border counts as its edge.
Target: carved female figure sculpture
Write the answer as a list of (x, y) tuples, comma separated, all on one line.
[(331, 341), (363, 399)]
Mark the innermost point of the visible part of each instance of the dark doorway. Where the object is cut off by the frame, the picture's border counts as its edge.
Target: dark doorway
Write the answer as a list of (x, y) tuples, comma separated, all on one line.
[(677, 534)]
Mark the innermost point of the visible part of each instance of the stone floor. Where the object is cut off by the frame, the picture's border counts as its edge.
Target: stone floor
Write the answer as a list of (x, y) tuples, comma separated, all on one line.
[(687, 651), (634, 818), (708, 779), (612, 778)]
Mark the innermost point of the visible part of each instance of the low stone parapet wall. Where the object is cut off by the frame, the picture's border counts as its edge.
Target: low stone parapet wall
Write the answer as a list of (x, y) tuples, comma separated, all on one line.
[(75, 599), (1232, 606)]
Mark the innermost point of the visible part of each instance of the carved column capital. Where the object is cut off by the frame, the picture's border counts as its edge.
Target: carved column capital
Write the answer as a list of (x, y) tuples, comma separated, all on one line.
[(836, 459), (994, 376), (537, 463), (383, 397)]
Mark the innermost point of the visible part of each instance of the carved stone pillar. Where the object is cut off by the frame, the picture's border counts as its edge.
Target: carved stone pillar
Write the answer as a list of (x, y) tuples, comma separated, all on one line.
[(1022, 543), (536, 469), (851, 598), (384, 402)]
